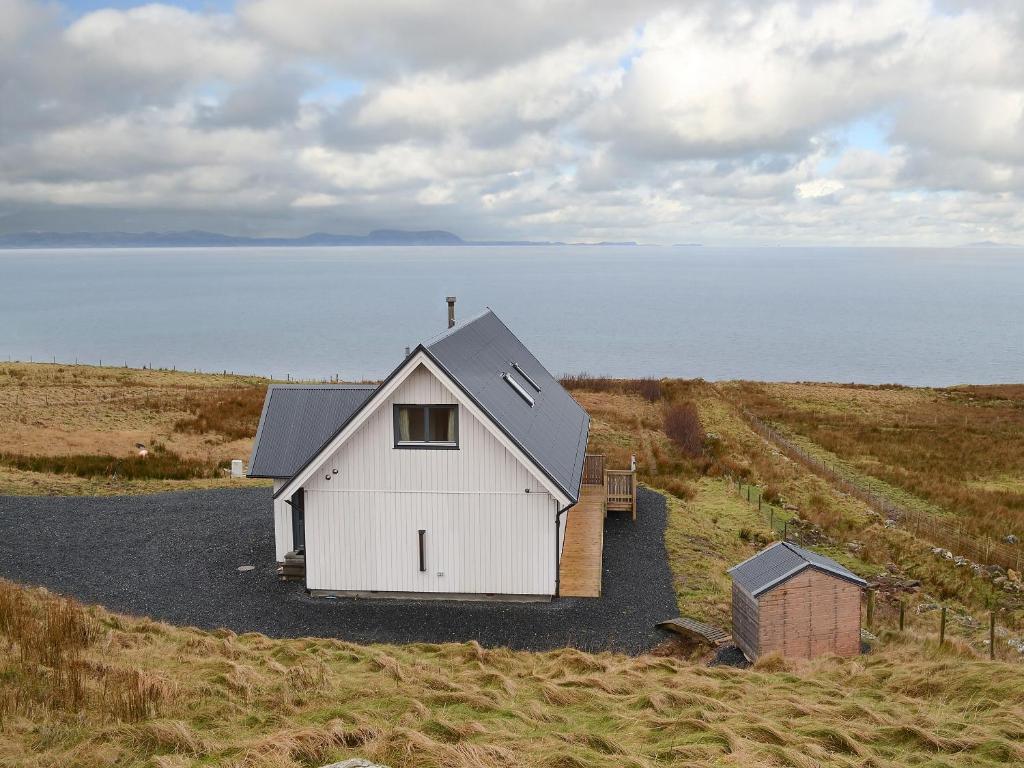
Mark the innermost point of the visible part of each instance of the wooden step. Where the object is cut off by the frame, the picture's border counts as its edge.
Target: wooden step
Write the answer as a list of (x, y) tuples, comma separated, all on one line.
[(697, 630)]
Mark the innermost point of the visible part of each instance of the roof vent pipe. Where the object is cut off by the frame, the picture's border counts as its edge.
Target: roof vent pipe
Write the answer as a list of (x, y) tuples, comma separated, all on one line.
[(451, 311)]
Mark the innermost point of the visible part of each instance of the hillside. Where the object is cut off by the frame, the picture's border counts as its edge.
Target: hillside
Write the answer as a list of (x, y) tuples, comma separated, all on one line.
[(72, 430), (91, 688), (85, 687)]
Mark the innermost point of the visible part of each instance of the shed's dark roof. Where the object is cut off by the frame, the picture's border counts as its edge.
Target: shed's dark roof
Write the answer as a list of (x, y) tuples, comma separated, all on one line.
[(781, 561), (478, 355), (297, 420)]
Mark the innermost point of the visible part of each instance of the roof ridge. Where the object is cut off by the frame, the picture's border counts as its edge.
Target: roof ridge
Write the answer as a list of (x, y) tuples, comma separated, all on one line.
[(755, 555), (458, 327)]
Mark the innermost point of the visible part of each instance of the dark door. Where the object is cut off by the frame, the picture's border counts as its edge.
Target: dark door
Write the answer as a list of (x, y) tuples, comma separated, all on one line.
[(298, 521)]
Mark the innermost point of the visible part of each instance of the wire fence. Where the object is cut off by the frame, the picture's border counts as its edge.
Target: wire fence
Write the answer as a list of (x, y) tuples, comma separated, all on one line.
[(877, 615), (778, 518), (949, 534)]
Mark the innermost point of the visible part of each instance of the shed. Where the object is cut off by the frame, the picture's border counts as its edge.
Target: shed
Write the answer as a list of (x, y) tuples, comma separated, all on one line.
[(791, 601)]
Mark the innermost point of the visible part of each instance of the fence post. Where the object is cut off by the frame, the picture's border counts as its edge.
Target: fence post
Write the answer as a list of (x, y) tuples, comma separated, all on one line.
[(992, 635), (785, 530), (871, 608), (903, 608), (771, 518), (942, 626), (748, 493)]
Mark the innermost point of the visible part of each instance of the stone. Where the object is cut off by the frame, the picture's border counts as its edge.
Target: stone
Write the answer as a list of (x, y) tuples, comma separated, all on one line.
[(1013, 576), (892, 567), (244, 568), (996, 570), (999, 581), (911, 584), (355, 762), (1011, 539), (960, 561)]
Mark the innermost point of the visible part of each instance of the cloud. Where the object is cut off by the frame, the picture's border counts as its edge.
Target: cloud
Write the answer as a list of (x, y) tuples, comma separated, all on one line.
[(895, 121)]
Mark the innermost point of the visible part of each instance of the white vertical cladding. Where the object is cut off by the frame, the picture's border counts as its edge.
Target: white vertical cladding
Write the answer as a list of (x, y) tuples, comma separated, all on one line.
[(488, 521), (282, 525)]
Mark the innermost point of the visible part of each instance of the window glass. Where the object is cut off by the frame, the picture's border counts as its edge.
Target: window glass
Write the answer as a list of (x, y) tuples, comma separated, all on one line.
[(442, 425), (411, 424)]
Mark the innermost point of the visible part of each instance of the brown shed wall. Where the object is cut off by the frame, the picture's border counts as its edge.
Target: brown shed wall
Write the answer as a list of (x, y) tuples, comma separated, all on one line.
[(744, 620), (811, 614)]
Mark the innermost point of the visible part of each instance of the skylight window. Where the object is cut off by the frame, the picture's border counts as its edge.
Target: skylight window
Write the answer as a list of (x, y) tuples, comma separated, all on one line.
[(518, 388), (526, 376)]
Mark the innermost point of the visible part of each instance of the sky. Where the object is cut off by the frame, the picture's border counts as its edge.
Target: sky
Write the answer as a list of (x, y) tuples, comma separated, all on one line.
[(728, 122)]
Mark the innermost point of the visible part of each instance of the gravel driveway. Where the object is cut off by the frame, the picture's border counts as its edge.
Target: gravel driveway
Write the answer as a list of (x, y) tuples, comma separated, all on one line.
[(175, 557)]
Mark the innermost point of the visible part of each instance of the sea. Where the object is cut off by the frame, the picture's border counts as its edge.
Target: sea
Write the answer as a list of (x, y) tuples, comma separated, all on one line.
[(916, 316)]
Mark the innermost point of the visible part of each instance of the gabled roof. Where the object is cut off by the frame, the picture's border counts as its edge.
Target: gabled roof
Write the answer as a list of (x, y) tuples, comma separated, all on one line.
[(477, 356), (480, 355), (781, 561), (296, 421)]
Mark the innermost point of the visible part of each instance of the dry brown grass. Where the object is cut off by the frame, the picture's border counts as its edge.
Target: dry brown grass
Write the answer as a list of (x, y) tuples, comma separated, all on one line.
[(309, 702), (703, 537), (86, 411), (961, 450)]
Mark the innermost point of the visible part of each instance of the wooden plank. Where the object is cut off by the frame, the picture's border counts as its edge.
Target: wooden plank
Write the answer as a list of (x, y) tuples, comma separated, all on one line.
[(696, 629), (583, 549), (593, 469)]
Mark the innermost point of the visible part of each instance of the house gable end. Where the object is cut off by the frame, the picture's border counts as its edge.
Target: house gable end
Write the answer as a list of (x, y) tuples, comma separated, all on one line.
[(378, 408)]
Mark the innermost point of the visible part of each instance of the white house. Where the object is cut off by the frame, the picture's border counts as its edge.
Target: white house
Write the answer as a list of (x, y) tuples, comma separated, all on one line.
[(452, 477)]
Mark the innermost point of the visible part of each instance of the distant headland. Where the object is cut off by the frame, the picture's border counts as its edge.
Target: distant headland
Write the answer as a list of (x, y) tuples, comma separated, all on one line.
[(202, 239)]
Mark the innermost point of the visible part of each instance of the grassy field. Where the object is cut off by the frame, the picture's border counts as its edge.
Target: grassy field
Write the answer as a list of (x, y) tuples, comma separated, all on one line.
[(73, 429), (956, 451), (711, 527), (83, 687), (86, 688)]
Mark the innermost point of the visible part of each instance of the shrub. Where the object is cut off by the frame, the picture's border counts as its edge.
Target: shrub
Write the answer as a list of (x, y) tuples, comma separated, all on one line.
[(674, 485), (159, 465), (587, 383), (682, 425), (648, 388), (234, 413)]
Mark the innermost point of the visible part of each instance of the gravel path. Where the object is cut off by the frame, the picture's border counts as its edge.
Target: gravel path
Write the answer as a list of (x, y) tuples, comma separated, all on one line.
[(175, 557)]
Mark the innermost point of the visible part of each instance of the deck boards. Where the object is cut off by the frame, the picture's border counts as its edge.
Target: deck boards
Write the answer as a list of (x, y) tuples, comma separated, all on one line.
[(581, 563)]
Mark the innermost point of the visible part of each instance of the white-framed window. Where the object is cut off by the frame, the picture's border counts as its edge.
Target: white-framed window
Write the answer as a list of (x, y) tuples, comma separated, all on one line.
[(427, 426)]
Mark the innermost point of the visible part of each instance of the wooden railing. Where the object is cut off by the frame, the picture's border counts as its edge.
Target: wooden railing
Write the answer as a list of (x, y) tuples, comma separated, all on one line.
[(593, 469), (620, 491)]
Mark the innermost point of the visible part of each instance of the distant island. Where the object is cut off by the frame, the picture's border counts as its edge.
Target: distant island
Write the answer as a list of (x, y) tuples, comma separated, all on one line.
[(202, 239)]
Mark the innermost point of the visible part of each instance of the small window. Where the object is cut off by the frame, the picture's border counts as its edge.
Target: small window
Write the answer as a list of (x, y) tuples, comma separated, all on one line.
[(518, 388), (426, 426), (526, 376)]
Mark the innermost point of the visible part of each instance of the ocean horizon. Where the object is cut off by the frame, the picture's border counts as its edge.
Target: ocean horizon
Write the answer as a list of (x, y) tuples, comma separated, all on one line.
[(915, 316)]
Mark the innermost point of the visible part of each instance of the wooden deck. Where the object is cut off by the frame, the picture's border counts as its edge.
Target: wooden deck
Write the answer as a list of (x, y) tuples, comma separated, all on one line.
[(582, 552)]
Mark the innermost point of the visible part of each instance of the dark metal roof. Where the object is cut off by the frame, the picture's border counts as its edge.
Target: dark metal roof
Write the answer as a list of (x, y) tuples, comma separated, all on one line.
[(781, 561), (479, 355), (297, 420)]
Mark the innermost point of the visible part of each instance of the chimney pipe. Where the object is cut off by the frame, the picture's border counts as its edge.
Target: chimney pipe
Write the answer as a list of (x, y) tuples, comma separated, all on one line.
[(451, 311)]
